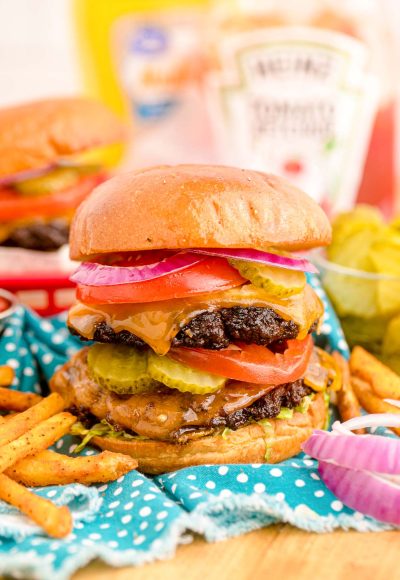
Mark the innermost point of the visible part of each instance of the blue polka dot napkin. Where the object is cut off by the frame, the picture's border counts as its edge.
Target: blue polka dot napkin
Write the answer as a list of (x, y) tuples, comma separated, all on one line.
[(138, 519)]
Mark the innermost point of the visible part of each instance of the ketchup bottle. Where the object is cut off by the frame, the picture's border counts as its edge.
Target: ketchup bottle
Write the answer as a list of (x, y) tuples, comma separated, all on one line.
[(306, 90)]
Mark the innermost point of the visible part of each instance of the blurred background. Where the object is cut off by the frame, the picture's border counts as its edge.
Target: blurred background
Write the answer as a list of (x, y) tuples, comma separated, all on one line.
[(304, 89)]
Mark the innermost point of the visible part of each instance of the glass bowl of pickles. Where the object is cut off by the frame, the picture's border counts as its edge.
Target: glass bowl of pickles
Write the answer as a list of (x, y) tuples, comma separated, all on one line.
[(360, 272)]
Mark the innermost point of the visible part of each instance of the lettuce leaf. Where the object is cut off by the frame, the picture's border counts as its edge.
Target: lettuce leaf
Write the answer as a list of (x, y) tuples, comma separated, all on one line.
[(305, 404), (285, 413), (225, 433), (102, 429), (265, 424)]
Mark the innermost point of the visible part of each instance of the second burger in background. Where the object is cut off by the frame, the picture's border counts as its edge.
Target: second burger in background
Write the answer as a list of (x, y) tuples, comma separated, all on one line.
[(202, 319), (51, 157)]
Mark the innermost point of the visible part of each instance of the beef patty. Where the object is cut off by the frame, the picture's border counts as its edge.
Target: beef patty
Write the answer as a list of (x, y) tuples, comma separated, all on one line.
[(40, 235), (168, 414), (288, 395), (215, 330)]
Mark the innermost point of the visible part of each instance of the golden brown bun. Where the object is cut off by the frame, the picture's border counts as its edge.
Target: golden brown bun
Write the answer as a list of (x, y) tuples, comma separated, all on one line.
[(250, 444), (35, 135), (203, 206)]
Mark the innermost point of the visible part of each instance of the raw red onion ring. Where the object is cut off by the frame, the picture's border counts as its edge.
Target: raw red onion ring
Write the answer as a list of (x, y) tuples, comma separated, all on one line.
[(363, 471), (369, 493), (251, 255), (94, 274), (28, 174)]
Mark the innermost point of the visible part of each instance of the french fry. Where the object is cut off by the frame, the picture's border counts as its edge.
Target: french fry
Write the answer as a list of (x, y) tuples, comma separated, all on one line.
[(37, 439), (20, 423), (16, 400), (56, 521), (6, 418), (371, 402), (51, 468), (25, 459), (384, 382), (6, 376), (346, 399)]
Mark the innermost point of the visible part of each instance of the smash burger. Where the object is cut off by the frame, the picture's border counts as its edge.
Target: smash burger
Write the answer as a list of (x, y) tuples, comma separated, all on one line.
[(50, 160), (201, 318)]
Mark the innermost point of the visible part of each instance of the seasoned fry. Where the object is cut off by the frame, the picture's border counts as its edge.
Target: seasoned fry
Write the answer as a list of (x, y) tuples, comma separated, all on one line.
[(37, 439), (6, 418), (20, 423), (16, 400), (6, 376), (371, 402), (25, 458), (56, 521), (347, 401), (50, 468), (384, 382)]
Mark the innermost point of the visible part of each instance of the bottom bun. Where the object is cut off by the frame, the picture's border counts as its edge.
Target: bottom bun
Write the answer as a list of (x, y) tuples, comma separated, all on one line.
[(275, 441)]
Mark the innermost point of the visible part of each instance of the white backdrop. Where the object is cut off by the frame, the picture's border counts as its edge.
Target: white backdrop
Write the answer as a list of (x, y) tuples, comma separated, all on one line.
[(37, 48)]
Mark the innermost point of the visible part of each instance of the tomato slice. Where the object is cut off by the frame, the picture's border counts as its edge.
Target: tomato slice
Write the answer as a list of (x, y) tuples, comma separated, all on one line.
[(14, 206), (252, 363), (209, 275), (4, 304)]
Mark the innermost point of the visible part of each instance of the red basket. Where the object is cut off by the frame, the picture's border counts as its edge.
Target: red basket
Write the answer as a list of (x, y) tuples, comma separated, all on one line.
[(44, 293)]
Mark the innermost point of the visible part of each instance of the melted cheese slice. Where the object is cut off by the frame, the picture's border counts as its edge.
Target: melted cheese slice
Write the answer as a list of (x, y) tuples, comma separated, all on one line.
[(157, 323)]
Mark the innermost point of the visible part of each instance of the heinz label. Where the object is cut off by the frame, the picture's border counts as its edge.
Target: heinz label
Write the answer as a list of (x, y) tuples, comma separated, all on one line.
[(298, 102)]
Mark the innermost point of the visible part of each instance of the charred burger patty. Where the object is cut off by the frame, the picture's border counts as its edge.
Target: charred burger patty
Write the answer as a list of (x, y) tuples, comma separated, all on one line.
[(169, 414), (215, 330), (40, 235)]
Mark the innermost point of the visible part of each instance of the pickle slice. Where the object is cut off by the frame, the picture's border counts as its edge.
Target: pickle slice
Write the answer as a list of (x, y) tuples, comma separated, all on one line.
[(351, 296), (365, 332), (277, 281), (393, 362), (363, 218), (178, 376), (391, 339), (57, 180), (385, 256), (120, 368)]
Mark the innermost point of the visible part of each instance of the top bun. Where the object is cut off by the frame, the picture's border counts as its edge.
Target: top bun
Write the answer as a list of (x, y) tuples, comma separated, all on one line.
[(35, 135), (196, 206)]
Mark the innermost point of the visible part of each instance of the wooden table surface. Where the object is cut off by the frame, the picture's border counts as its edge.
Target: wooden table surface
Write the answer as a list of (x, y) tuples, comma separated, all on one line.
[(278, 552)]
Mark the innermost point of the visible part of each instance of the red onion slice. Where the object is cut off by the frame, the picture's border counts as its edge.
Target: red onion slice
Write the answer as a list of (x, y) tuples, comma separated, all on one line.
[(32, 173), (363, 471), (393, 402), (372, 420), (251, 255), (93, 274), (365, 452), (371, 494), (28, 174)]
